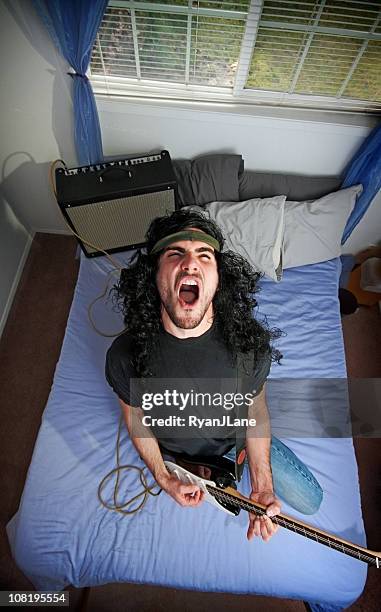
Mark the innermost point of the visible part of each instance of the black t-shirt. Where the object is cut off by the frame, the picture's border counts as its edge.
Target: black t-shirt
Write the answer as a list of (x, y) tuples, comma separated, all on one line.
[(193, 379)]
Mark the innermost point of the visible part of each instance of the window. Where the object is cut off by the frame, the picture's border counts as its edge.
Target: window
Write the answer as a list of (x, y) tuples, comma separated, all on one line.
[(309, 53)]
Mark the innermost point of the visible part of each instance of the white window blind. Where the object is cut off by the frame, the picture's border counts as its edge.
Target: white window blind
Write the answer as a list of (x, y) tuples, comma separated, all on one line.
[(312, 53)]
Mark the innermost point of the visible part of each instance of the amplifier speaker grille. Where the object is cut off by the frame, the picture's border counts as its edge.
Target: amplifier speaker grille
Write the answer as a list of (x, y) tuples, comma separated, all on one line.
[(113, 224)]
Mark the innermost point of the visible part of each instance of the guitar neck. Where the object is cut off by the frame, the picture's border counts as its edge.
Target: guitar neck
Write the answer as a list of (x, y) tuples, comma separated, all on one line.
[(232, 496)]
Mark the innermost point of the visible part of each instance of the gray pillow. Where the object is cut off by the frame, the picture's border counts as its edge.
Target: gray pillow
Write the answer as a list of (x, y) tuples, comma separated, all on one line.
[(274, 235), (208, 178), (313, 229), (254, 229), (254, 184)]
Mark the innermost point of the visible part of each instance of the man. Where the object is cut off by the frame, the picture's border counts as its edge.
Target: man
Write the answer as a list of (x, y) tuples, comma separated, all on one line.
[(188, 310)]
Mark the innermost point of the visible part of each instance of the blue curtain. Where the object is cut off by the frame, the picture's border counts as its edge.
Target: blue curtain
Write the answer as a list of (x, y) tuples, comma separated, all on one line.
[(364, 168), (73, 25)]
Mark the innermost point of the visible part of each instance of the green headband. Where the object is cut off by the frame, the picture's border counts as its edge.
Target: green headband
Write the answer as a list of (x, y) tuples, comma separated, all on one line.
[(185, 235)]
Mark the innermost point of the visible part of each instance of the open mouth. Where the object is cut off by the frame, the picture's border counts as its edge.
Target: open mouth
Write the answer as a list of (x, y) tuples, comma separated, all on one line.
[(188, 293)]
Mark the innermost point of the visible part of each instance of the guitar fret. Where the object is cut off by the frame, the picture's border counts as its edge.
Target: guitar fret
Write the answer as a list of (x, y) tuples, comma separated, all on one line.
[(237, 500), (307, 532)]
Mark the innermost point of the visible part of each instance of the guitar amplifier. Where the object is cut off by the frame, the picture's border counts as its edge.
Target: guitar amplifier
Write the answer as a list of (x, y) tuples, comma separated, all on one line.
[(111, 205)]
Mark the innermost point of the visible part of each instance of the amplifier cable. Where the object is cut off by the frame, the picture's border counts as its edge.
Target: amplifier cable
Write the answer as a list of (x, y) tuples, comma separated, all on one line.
[(145, 493), (147, 490), (116, 265)]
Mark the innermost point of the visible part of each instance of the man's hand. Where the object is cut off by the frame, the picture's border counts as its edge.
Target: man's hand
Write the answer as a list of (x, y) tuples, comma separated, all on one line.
[(262, 526), (183, 494), (258, 440), (148, 448)]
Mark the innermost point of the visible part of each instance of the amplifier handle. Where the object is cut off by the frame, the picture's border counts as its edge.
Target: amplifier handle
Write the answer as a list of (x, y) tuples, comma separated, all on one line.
[(114, 174)]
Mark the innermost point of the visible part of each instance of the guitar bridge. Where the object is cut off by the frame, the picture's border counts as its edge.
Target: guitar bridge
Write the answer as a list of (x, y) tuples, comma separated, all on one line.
[(220, 478)]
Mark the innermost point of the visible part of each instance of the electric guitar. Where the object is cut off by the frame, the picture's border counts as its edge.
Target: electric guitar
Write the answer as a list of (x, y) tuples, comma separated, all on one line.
[(222, 493)]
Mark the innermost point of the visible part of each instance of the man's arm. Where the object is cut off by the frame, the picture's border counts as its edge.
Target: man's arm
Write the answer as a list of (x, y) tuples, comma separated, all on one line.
[(258, 441), (148, 448)]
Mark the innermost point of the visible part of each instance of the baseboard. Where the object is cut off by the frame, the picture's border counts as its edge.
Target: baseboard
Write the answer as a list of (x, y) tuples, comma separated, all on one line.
[(15, 283), (52, 230)]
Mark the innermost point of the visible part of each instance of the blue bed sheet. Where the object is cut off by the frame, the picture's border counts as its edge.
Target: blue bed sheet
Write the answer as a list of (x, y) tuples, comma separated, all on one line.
[(62, 535)]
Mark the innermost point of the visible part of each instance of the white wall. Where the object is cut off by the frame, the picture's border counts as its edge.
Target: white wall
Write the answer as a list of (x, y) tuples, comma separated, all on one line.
[(318, 144), (266, 143), (31, 135), (37, 127), (15, 237)]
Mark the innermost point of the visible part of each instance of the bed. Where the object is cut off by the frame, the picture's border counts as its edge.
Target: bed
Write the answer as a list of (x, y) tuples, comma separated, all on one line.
[(62, 535)]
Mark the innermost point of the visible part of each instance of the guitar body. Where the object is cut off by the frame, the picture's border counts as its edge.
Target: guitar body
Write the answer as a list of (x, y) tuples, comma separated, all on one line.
[(221, 475)]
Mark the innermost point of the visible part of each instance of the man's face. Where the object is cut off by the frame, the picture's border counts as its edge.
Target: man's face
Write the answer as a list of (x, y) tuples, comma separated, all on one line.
[(187, 279)]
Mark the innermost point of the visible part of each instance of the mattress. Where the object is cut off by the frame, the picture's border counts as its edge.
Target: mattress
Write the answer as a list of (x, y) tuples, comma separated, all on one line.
[(62, 535)]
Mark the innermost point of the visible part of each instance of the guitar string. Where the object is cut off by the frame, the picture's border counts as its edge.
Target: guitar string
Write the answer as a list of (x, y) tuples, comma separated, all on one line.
[(289, 524), (296, 528), (216, 492), (302, 530)]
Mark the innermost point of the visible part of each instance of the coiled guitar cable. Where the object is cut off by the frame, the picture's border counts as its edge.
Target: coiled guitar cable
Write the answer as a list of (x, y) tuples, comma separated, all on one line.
[(147, 490)]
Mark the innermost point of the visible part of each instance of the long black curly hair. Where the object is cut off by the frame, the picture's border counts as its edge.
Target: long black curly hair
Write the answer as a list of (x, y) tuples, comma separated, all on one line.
[(137, 296)]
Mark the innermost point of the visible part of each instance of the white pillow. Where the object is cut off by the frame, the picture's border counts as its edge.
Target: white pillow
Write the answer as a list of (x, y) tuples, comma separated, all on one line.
[(254, 229), (313, 229)]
